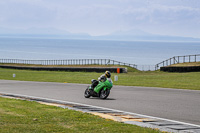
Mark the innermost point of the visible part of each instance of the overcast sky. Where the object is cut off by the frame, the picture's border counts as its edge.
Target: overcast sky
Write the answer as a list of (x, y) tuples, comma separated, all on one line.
[(99, 17)]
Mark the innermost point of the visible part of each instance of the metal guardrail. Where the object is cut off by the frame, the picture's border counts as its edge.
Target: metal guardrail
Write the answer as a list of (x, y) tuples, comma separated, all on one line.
[(68, 62), (178, 59)]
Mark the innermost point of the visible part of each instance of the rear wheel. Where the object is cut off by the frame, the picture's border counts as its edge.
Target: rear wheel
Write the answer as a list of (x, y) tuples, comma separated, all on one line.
[(104, 93), (87, 93)]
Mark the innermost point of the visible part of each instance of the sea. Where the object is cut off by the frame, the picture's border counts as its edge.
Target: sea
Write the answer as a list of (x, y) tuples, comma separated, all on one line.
[(141, 53)]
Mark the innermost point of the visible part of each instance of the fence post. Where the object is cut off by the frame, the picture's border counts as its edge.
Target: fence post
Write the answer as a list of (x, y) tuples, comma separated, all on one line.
[(189, 58), (108, 61), (178, 59), (174, 59), (195, 58)]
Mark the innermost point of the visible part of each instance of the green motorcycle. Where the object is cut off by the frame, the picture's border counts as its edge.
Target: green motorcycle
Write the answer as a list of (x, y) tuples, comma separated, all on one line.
[(101, 89)]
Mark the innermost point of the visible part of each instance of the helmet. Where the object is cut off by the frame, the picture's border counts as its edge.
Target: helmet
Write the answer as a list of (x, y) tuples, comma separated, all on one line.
[(107, 74)]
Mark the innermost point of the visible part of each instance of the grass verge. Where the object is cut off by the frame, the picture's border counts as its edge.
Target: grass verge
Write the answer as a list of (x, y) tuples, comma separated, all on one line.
[(17, 116), (137, 78), (186, 64)]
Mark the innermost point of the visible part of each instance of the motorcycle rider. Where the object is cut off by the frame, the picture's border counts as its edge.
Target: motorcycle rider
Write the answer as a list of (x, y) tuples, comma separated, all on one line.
[(102, 78)]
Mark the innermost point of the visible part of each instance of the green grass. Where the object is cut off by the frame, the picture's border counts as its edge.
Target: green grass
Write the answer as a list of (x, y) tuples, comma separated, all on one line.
[(149, 79), (37, 65), (17, 116), (161, 79), (186, 64)]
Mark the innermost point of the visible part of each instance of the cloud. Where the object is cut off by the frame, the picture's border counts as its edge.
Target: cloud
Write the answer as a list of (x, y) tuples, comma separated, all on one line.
[(101, 16)]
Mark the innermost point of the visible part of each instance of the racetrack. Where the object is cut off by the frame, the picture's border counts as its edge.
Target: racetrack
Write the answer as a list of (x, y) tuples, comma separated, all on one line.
[(174, 104)]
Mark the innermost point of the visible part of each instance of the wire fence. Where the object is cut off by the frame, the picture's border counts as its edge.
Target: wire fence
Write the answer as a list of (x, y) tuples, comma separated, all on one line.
[(178, 59), (170, 61), (146, 67), (68, 62)]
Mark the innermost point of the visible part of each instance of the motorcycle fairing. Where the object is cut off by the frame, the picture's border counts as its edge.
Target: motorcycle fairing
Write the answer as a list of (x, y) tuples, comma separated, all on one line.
[(105, 85)]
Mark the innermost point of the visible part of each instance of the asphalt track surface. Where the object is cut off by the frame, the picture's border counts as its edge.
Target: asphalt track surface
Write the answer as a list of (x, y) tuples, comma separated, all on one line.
[(173, 104)]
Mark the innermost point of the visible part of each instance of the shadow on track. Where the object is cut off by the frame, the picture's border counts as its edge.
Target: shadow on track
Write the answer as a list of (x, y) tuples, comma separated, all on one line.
[(97, 98)]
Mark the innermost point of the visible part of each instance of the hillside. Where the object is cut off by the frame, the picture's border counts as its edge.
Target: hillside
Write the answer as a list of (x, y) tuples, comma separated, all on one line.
[(187, 64)]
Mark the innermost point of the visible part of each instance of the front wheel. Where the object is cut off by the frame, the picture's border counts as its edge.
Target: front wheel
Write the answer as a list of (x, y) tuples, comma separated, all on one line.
[(104, 93), (87, 93)]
